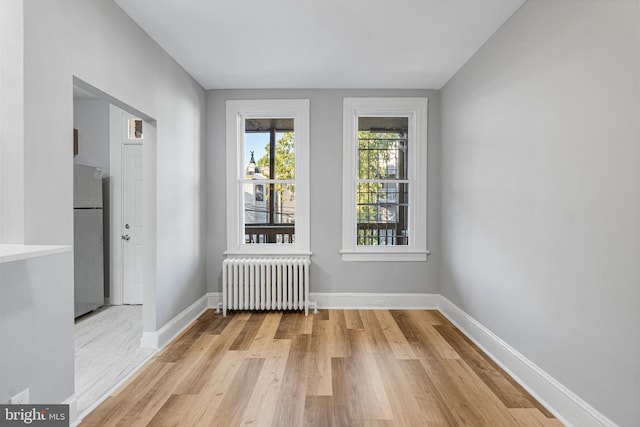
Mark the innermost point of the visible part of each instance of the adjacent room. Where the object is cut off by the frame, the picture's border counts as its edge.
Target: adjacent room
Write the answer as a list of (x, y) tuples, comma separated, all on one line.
[(321, 213)]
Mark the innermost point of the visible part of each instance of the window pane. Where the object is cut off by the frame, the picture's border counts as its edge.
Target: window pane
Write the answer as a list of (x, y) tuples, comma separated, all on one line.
[(382, 147), (285, 156), (256, 155), (382, 214), (269, 219), (269, 144), (135, 129)]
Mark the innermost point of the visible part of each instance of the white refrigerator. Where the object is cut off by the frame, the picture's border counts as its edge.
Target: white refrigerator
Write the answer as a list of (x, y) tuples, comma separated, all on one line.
[(87, 239)]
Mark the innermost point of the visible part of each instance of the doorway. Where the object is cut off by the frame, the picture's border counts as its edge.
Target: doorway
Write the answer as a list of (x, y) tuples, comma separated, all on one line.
[(127, 139), (120, 141)]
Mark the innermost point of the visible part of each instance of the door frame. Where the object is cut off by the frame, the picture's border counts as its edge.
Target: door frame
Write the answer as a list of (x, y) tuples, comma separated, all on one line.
[(118, 195), (149, 176), (116, 141)]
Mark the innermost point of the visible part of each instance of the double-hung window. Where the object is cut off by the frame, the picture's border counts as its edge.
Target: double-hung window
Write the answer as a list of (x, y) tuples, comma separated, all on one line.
[(268, 177), (384, 179)]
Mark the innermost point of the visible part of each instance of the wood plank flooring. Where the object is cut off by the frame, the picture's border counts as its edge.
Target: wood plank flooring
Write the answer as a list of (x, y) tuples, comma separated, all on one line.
[(337, 368)]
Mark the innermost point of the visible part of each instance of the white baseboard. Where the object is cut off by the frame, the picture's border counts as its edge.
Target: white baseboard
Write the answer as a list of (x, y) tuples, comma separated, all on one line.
[(160, 338), (359, 300), (72, 401), (562, 402), (375, 300), (77, 419), (566, 405)]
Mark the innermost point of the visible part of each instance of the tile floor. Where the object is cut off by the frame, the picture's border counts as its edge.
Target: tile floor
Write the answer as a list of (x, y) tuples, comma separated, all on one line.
[(107, 349)]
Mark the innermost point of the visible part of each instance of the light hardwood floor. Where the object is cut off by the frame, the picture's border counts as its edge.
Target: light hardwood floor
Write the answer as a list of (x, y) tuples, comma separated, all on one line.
[(337, 368)]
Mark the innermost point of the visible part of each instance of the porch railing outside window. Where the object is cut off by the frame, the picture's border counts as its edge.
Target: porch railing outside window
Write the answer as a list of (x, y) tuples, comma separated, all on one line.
[(382, 189)]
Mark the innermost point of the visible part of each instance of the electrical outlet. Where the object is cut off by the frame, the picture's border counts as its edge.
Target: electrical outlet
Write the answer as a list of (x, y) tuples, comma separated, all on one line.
[(21, 398)]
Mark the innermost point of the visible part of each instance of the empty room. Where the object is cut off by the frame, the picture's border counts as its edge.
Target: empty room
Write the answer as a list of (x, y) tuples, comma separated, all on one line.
[(321, 213)]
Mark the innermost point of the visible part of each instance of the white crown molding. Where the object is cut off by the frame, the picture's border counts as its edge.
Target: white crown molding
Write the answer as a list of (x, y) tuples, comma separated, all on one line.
[(566, 405)]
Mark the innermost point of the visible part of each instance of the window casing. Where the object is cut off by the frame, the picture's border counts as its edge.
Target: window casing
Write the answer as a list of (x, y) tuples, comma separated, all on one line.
[(384, 179), (268, 192)]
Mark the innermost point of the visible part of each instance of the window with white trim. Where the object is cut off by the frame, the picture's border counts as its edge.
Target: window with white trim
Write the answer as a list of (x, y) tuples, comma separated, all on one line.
[(384, 179), (268, 177)]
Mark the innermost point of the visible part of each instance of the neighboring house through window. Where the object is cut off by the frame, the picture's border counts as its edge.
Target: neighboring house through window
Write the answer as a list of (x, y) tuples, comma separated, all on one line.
[(384, 179), (268, 177)]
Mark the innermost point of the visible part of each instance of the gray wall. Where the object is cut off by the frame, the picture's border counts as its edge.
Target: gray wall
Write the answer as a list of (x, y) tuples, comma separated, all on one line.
[(91, 118), (328, 272), (36, 329), (12, 119), (541, 194), (98, 43)]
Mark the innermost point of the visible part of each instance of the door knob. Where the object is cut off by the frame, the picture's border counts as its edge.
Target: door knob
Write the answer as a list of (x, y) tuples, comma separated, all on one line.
[(126, 237)]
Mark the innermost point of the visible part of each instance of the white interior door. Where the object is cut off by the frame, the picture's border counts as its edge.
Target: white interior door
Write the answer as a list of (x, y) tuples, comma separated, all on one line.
[(132, 225)]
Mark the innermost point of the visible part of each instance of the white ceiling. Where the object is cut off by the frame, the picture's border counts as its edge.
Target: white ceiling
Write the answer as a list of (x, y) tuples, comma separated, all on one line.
[(245, 44)]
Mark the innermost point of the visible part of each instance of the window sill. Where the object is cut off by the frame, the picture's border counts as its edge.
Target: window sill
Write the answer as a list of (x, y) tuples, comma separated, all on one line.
[(370, 256), (271, 253)]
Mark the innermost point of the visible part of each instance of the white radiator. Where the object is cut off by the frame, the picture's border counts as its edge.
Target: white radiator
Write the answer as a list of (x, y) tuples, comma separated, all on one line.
[(262, 283)]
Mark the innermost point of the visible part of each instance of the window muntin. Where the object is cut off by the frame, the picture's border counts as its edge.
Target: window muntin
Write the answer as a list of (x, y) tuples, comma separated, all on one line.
[(268, 139), (269, 203), (384, 179), (268, 177), (382, 185)]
